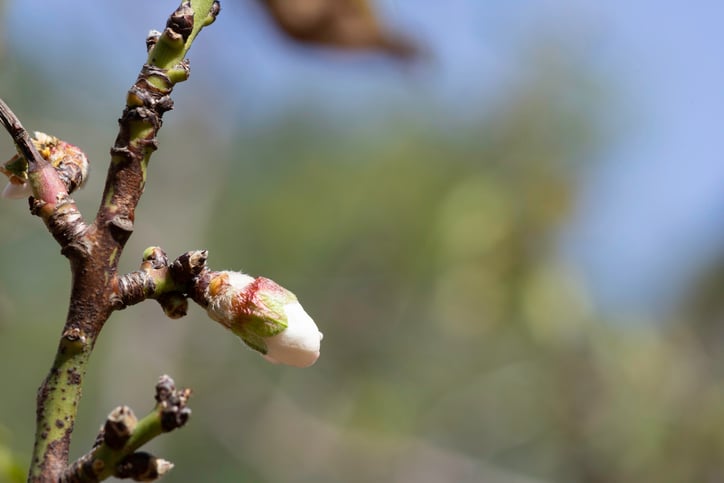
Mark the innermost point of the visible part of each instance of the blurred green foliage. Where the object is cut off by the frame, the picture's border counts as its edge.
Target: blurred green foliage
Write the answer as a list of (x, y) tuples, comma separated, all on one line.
[(460, 345), (11, 467)]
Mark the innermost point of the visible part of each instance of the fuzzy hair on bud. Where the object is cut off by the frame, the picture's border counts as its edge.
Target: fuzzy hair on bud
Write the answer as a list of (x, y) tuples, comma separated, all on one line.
[(266, 316)]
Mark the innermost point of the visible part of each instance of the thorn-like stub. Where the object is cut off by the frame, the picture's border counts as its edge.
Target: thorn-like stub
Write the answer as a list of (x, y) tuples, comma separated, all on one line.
[(119, 427), (75, 336), (121, 228), (181, 22)]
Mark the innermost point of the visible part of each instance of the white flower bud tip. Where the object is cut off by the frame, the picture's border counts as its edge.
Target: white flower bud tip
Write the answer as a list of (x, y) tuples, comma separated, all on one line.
[(298, 345)]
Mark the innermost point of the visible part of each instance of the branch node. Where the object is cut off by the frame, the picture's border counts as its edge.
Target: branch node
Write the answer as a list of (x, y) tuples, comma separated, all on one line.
[(78, 248), (122, 223), (121, 228), (181, 22), (160, 81), (143, 114), (74, 341)]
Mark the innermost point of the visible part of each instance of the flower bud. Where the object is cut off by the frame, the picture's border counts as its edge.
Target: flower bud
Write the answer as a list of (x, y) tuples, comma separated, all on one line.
[(16, 169), (68, 160), (266, 316)]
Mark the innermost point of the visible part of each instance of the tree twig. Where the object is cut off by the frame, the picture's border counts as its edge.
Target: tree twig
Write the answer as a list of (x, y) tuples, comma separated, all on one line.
[(94, 250), (20, 136), (115, 452)]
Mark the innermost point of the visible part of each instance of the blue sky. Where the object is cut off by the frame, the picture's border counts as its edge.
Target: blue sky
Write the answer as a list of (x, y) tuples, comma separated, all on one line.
[(651, 210), (652, 213)]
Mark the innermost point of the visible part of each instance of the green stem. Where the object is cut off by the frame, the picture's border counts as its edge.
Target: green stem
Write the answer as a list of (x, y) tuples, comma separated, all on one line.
[(60, 394), (122, 435), (147, 429), (165, 54)]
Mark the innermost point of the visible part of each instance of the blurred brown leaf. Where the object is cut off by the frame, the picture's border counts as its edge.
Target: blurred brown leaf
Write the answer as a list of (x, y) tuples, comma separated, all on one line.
[(346, 24)]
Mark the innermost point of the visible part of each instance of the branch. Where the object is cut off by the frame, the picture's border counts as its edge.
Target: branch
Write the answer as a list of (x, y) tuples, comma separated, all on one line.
[(267, 317), (147, 101), (94, 251), (169, 284), (20, 136), (114, 453)]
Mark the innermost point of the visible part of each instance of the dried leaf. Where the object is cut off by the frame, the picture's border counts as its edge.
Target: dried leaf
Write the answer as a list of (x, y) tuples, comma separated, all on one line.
[(346, 24)]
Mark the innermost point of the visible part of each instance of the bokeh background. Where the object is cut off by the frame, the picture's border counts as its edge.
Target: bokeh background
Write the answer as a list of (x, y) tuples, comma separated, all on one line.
[(514, 247)]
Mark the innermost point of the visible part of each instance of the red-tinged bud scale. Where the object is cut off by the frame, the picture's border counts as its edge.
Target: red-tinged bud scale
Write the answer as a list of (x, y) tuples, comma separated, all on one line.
[(266, 316)]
